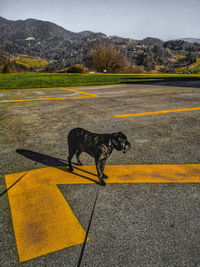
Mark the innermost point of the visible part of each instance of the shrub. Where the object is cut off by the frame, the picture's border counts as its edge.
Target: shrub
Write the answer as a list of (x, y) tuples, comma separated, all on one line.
[(78, 68), (6, 69), (137, 70)]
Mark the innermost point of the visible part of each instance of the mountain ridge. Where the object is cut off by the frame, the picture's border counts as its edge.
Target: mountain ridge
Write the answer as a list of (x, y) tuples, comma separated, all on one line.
[(85, 33), (191, 40), (62, 48)]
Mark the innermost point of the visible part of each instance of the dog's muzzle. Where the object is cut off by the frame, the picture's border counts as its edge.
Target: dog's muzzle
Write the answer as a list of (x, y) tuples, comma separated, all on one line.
[(126, 147)]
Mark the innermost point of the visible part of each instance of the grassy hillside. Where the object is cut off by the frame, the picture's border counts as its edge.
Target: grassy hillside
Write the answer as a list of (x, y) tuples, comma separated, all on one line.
[(196, 69), (31, 63), (193, 68), (47, 80)]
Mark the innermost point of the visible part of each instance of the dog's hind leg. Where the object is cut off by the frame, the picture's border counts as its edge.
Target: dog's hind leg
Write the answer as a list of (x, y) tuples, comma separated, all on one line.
[(78, 153), (72, 151)]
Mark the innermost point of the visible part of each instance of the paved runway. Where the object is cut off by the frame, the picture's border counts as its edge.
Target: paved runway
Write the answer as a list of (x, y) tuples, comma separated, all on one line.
[(148, 213)]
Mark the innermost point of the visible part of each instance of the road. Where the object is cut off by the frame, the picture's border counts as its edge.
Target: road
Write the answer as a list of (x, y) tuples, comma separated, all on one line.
[(145, 222)]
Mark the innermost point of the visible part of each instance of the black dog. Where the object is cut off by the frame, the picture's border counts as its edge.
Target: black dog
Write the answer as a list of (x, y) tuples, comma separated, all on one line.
[(99, 146)]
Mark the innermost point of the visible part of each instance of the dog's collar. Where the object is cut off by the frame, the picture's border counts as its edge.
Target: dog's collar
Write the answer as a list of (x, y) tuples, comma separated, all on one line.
[(110, 142), (110, 146)]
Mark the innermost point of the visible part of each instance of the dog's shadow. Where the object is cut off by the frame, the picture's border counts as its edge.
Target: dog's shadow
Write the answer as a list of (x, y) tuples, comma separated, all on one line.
[(54, 162)]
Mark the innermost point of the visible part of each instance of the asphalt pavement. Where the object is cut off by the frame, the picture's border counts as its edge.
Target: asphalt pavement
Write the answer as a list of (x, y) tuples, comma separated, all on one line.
[(134, 224)]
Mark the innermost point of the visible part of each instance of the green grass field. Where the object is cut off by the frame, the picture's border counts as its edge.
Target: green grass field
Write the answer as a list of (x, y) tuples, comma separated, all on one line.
[(47, 80)]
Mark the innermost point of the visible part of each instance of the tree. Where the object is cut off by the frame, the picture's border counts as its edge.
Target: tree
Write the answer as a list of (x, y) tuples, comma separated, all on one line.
[(192, 57), (6, 69), (105, 57), (148, 60)]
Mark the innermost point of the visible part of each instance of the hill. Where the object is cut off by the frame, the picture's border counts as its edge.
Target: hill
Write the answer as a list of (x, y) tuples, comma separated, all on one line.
[(36, 40), (45, 40), (150, 41), (191, 40)]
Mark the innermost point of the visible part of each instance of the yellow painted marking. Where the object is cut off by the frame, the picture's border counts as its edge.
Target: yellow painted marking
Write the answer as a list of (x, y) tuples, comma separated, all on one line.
[(50, 98), (43, 221), (155, 112), (78, 91), (39, 99), (24, 89)]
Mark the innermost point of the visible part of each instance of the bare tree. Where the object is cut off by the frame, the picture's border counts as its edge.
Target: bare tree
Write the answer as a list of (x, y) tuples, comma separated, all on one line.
[(105, 57)]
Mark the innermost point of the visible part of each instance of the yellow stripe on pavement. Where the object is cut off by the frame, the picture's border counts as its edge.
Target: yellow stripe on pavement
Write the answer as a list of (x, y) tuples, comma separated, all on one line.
[(78, 91), (155, 112), (84, 94), (24, 89), (40, 99)]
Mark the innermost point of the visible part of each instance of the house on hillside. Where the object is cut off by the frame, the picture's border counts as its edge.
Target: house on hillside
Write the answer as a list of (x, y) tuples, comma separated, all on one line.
[(30, 39)]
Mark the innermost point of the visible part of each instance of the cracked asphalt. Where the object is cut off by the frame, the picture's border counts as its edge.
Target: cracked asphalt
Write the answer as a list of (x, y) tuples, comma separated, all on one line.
[(133, 224)]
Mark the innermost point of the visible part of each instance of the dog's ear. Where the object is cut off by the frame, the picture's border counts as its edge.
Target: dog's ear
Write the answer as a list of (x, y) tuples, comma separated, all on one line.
[(115, 138), (118, 136), (115, 135)]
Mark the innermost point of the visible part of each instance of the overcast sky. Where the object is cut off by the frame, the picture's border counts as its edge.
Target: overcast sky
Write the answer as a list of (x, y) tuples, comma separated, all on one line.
[(164, 19)]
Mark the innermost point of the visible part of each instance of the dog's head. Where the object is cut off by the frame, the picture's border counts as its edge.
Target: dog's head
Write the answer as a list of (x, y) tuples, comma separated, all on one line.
[(120, 142)]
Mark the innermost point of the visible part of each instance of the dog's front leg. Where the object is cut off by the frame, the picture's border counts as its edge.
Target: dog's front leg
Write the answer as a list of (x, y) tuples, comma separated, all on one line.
[(99, 172), (103, 163)]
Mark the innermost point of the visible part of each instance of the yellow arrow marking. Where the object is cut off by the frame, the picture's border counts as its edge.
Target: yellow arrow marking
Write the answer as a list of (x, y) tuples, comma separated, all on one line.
[(43, 221)]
